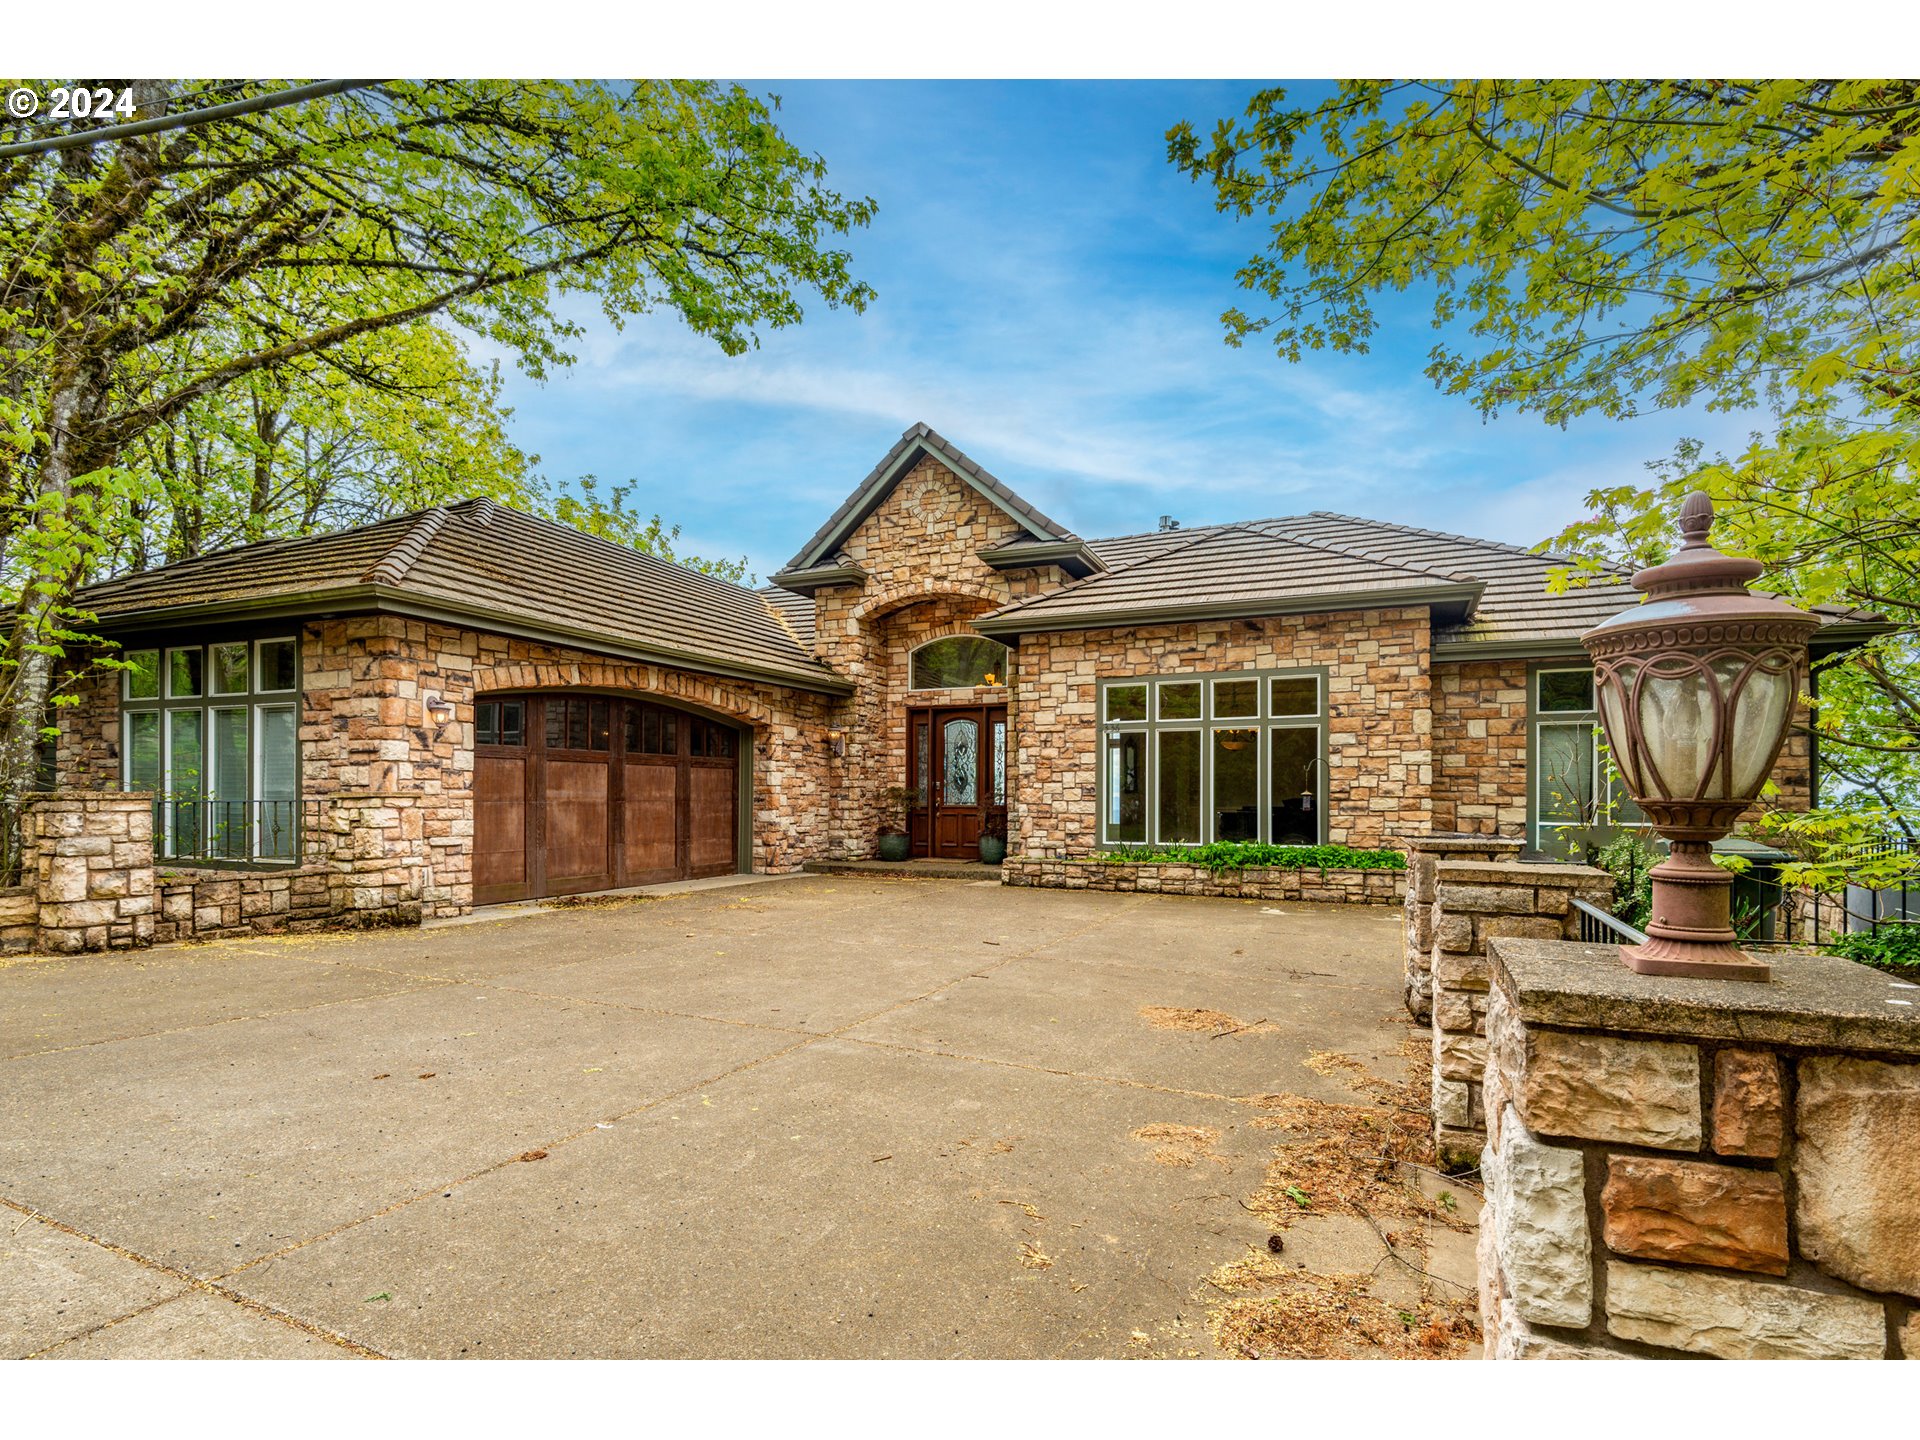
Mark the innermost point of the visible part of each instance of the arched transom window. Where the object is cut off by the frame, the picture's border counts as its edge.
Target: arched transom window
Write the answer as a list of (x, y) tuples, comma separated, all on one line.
[(957, 662)]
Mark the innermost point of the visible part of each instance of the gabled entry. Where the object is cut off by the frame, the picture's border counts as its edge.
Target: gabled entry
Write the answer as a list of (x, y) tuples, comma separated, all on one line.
[(578, 792)]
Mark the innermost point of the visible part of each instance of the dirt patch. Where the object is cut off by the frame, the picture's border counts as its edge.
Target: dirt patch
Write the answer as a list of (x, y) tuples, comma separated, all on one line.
[(1181, 1145), (1201, 1022), (594, 902), (1352, 1159), (1302, 1316)]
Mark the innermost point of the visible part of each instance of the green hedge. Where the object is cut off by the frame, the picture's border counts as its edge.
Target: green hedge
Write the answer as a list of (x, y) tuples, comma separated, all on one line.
[(1224, 855), (1893, 948)]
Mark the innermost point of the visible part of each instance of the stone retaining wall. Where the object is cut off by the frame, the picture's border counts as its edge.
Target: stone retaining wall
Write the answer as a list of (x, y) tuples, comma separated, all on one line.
[(89, 861), (1423, 853), (1699, 1167), (1345, 887), (1475, 902), (19, 919)]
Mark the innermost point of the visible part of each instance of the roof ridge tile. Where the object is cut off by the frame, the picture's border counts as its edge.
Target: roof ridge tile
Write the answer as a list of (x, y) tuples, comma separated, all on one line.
[(392, 567), (1359, 552)]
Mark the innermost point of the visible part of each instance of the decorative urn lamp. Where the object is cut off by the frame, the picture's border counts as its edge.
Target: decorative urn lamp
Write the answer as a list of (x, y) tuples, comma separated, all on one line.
[(1696, 686)]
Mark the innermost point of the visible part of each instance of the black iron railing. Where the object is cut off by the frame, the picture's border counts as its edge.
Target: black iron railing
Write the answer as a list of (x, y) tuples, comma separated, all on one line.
[(197, 830)]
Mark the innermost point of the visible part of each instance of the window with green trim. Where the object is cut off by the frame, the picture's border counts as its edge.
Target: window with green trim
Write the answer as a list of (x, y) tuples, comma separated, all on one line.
[(1189, 759), (213, 731), (1575, 798)]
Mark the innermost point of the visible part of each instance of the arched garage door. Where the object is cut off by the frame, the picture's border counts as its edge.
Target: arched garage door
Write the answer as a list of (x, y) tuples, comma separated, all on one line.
[(590, 792)]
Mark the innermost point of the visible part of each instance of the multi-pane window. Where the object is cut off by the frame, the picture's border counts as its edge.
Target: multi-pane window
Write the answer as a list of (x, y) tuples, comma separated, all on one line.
[(213, 731), (1576, 797), (1188, 759)]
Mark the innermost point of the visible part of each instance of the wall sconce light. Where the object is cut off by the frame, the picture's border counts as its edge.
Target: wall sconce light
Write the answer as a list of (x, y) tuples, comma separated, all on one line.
[(837, 742), (439, 709)]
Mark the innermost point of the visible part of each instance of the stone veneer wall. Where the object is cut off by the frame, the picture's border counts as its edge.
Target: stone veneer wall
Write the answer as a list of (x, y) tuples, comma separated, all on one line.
[(1480, 747), (1379, 755), (1475, 903), (924, 579), (1423, 853), (212, 904), (1350, 887), (1699, 1167), (1480, 721), (364, 729)]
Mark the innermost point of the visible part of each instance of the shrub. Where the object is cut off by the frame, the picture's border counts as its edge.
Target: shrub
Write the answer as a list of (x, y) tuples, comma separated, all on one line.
[(1628, 858), (1894, 948), (1232, 855)]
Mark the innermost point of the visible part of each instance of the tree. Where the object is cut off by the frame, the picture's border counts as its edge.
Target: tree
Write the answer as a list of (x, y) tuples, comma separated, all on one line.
[(1613, 247), (287, 239)]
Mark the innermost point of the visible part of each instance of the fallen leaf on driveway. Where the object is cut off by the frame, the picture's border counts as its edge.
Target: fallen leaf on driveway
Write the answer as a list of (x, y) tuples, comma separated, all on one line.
[(429, 1075), (1033, 1257), (534, 1155)]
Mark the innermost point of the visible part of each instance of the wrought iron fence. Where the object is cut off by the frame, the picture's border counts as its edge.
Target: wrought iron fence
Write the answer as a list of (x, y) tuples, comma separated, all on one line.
[(1768, 912), (193, 829)]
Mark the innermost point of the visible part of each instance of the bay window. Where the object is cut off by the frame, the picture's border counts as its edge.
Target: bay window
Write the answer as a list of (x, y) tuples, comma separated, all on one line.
[(213, 731), (1191, 759)]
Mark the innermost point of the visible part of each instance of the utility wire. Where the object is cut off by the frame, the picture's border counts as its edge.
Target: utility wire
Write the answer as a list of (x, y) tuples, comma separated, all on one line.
[(249, 106)]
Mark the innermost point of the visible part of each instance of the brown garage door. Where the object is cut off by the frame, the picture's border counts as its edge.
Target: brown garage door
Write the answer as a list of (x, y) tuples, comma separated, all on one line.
[(590, 792)]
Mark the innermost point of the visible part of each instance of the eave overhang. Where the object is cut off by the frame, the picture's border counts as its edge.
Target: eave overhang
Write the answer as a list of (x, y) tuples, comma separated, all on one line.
[(1072, 556), (1455, 602), (817, 577), (386, 600)]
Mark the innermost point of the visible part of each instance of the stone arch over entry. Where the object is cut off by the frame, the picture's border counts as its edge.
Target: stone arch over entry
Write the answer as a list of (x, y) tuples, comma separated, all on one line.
[(898, 597)]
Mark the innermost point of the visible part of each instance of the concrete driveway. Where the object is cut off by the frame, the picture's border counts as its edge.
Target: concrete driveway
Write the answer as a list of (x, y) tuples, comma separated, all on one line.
[(820, 1116)]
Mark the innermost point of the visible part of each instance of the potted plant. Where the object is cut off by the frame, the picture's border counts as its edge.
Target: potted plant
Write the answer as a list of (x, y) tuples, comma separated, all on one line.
[(895, 802), (993, 838)]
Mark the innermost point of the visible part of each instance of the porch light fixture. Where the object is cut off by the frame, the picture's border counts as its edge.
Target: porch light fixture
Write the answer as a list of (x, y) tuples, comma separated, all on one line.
[(837, 743), (1696, 687), (439, 709)]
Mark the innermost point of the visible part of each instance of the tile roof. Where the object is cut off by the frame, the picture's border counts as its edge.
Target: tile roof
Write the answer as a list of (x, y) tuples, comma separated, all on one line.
[(1250, 568), (481, 559), (793, 611), (1515, 611)]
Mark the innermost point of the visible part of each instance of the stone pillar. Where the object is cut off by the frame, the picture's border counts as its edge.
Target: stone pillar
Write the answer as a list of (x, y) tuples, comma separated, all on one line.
[(1698, 1167), (376, 858), (1475, 901), (1423, 853), (88, 856)]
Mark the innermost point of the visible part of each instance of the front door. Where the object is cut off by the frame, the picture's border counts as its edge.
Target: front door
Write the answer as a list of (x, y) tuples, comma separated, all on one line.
[(957, 766)]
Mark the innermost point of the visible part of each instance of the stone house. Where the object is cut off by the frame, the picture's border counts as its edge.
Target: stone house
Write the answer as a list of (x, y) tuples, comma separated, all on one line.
[(469, 705)]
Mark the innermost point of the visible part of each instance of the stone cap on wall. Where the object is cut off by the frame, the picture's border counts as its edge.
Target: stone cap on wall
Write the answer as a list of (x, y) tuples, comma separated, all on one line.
[(1452, 844), (1478, 872), (1819, 1001)]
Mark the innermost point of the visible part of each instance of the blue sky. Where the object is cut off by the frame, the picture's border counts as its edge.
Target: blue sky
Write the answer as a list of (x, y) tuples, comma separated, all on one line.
[(1049, 294)]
